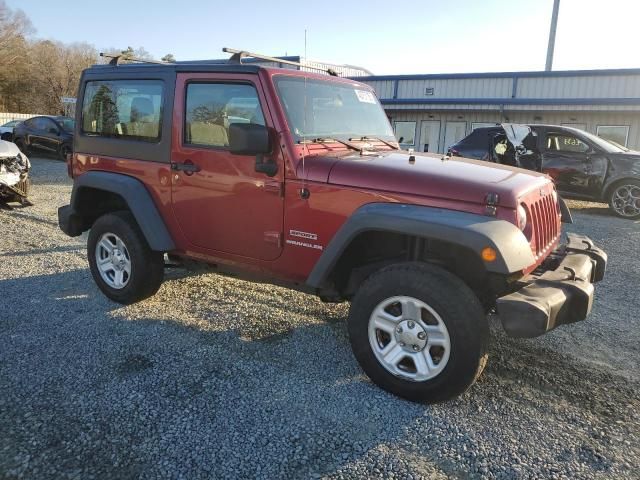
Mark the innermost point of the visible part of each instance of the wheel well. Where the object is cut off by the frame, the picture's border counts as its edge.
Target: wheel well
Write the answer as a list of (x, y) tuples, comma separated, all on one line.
[(91, 203), (373, 250)]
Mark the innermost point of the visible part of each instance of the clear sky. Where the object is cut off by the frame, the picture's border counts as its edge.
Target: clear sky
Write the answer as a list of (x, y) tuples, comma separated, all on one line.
[(387, 37)]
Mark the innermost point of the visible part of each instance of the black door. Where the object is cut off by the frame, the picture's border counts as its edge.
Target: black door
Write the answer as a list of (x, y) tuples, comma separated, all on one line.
[(51, 135), (577, 168)]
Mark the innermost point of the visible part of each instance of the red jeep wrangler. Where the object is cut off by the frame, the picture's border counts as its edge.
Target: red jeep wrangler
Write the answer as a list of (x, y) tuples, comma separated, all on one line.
[(295, 178)]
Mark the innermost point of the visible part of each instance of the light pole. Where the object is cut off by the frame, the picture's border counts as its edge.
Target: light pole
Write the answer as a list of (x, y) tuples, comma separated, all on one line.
[(552, 35)]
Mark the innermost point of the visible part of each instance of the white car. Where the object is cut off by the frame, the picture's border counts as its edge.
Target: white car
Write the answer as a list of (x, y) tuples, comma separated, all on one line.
[(14, 175), (6, 130)]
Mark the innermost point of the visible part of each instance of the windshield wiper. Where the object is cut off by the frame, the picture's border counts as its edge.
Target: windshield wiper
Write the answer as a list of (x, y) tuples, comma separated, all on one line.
[(329, 139), (376, 139)]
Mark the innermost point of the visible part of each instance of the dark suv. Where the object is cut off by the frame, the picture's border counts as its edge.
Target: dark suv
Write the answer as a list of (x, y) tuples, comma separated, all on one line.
[(295, 178), (45, 133), (583, 166)]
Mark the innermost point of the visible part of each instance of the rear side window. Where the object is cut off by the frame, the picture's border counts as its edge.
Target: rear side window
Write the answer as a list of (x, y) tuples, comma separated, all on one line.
[(130, 109), (212, 107)]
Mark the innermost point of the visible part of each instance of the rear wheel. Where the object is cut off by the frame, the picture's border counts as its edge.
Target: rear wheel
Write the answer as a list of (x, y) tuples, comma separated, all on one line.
[(419, 332), (624, 199), (121, 262)]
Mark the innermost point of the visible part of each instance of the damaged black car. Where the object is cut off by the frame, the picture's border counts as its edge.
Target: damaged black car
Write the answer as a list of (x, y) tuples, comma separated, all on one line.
[(14, 176), (583, 166)]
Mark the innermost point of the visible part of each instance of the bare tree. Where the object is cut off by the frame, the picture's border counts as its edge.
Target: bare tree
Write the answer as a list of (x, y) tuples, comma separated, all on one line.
[(15, 29), (56, 69), (168, 58)]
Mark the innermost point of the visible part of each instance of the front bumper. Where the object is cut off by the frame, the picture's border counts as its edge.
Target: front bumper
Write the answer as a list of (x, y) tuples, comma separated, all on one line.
[(563, 293), (69, 222)]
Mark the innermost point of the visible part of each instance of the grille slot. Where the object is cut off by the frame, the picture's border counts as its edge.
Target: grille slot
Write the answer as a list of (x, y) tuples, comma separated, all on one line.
[(545, 223)]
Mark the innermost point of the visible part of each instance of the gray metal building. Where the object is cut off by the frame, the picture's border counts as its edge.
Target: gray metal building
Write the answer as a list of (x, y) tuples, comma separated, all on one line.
[(431, 112)]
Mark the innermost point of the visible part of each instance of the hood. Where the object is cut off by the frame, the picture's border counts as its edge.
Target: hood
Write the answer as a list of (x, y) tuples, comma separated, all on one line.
[(8, 149), (14, 165), (434, 176)]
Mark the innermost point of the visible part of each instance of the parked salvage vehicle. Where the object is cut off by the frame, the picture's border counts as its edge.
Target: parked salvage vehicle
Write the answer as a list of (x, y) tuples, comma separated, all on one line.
[(583, 166), (47, 134), (311, 190), (6, 130), (14, 175)]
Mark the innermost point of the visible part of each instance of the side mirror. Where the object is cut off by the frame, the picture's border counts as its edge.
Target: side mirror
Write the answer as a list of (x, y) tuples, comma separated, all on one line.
[(248, 139), (252, 139), (54, 131)]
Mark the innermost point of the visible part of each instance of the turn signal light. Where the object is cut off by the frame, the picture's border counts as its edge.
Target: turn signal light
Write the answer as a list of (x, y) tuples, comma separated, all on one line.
[(489, 254)]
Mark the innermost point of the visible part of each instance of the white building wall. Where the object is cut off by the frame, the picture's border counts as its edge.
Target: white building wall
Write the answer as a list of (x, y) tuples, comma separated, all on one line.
[(591, 119)]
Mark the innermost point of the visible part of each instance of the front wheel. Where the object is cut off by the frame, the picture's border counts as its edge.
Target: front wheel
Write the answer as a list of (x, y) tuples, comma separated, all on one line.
[(121, 262), (419, 332), (624, 199)]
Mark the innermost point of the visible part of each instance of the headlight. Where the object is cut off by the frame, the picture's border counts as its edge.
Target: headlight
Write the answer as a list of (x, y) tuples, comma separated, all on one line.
[(522, 217)]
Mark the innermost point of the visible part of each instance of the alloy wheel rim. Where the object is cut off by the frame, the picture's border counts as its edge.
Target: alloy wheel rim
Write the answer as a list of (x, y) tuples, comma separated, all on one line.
[(113, 261), (409, 338), (626, 200)]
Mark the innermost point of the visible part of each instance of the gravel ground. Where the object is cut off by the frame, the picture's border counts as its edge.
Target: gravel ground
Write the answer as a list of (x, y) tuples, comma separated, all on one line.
[(219, 378)]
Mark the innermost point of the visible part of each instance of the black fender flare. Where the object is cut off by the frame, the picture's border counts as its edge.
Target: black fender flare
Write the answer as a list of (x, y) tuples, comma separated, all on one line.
[(469, 230), (138, 199)]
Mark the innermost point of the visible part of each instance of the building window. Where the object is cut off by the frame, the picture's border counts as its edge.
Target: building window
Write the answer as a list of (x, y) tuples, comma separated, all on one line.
[(130, 109), (614, 133), (579, 126), (211, 107), (475, 125), (405, 133)]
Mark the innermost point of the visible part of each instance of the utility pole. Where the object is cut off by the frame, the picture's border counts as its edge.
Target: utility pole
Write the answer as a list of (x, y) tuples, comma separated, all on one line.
[(552, 35)]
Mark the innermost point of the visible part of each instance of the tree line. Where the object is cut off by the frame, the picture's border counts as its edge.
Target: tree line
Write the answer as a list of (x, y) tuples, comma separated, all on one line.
[(35, 74)]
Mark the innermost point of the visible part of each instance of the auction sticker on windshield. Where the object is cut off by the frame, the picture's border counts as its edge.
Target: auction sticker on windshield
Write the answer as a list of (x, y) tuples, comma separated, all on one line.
[(365, 96)]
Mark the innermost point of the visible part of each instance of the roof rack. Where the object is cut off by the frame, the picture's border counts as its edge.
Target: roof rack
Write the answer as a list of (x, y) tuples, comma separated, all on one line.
[(238, 55), (117, 59)]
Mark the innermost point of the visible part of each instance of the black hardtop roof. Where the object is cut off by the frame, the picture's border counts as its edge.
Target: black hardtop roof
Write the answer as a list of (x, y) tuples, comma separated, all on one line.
[(189, 66)]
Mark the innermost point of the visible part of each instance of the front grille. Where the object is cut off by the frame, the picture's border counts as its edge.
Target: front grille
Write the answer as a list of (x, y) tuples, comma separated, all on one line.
[(22, 187), (545, 223)]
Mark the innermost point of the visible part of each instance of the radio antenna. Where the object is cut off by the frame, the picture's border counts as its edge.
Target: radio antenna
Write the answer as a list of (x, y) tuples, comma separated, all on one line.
[(304, 114)]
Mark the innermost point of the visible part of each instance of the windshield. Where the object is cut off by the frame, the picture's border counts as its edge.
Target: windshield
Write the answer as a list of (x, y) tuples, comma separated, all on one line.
[(605, 145), (328, 109), (67, 123)]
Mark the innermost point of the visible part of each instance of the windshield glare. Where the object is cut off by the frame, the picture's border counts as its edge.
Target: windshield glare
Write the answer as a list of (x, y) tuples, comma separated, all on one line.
[(325, 109)]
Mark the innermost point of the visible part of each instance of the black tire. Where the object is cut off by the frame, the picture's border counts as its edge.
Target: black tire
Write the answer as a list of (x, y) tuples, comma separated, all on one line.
[(147, 266), (459, 310), (619, 211), (63, 151)]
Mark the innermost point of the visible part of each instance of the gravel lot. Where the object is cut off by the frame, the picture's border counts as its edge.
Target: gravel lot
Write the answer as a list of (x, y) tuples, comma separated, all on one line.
[(219, 378)]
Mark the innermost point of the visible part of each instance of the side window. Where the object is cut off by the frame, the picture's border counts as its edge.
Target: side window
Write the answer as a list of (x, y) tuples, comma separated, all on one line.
[(39, 123), (47, 124), (130, 109), (212, 107), (562, 142)]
